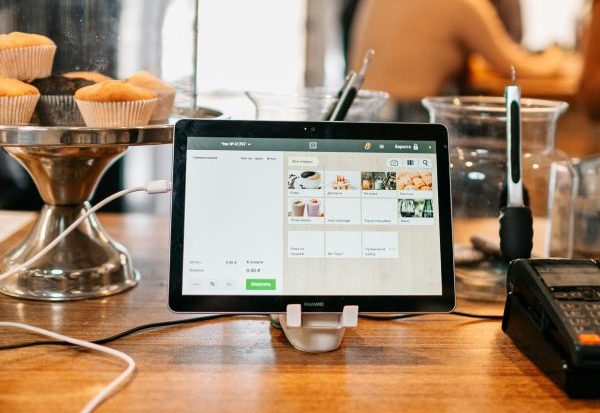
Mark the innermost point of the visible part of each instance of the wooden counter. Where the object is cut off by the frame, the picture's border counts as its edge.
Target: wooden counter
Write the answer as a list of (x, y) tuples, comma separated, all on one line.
[(434, 363)]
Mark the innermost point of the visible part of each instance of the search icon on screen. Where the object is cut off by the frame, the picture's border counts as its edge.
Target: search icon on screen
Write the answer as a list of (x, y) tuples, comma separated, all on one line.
[(426, 163)]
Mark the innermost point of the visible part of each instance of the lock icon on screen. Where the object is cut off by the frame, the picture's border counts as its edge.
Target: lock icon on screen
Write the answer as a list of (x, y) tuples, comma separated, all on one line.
[(415, 147)]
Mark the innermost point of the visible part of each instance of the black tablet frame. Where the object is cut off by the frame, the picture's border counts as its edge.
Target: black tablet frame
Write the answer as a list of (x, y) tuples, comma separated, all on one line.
[(309, 130)]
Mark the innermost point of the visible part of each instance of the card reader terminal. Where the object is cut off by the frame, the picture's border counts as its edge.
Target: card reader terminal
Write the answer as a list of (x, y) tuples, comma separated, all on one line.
[(552, 314)]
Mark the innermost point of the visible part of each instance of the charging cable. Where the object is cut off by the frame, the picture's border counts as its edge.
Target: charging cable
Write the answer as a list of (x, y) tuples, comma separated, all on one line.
[(154, 187), (108, 390)]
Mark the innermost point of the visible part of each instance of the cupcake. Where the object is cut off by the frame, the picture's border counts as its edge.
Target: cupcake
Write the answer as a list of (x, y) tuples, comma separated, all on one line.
[(165, 93), (26, 56), (56, 106), (95, 77), (17, 101), (115, 103)]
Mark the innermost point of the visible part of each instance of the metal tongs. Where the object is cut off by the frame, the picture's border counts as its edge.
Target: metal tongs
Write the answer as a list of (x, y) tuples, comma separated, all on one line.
[(349, 90)]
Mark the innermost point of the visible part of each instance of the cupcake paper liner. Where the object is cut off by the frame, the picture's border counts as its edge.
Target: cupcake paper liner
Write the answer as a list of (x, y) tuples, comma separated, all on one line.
[(164, 105), (58, 110), (116, 114), (27, 63), (17, 110)]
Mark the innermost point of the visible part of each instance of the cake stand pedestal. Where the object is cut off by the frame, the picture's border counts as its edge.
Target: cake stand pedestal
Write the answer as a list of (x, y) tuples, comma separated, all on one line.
[(66, 164)]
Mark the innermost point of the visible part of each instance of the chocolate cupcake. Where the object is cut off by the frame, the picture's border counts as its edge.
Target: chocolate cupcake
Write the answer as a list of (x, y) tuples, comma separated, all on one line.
[(57, 106)]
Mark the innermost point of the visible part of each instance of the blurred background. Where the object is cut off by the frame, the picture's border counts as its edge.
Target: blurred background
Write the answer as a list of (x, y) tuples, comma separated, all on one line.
[(214, 50)]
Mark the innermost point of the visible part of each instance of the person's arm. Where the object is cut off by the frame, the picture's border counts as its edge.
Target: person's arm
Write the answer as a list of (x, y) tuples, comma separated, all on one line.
[(509, 12), (590, 84), (480, 29)]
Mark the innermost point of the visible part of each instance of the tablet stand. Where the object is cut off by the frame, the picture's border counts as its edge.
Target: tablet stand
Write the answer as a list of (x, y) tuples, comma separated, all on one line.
[(317, 332)]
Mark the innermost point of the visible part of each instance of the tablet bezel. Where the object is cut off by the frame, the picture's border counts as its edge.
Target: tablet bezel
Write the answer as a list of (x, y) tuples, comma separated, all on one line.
[(306, 130)]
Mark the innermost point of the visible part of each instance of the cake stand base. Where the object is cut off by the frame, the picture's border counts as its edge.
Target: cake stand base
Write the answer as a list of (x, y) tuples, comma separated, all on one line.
[(86, 264)]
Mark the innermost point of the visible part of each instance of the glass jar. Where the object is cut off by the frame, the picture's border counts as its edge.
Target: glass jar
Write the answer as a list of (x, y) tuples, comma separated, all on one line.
[(313, 104), (586, 211), (477, 135)]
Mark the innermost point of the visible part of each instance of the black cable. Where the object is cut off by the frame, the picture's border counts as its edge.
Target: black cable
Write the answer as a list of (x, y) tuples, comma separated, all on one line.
[(484, 316), (149, 326), (456, 313), (118, 335), (158, 325), (388, 317)]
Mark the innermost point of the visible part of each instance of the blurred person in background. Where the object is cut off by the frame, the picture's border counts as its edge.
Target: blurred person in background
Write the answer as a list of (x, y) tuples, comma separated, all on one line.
[(509, 12), (590, 84), (422, 47)]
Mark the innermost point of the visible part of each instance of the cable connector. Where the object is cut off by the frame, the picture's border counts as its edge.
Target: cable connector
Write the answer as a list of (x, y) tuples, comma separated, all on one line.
[(155, 187), (159, 187)]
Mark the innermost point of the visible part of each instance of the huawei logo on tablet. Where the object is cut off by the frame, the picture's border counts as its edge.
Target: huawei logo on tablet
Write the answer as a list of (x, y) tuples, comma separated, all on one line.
[(315, 304)]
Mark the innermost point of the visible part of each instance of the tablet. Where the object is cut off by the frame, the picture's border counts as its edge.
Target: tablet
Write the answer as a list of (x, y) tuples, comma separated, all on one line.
[(322, 214)]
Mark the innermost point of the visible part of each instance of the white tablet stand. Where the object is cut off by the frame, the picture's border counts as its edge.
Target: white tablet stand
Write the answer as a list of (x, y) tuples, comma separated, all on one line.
[(317, 332)]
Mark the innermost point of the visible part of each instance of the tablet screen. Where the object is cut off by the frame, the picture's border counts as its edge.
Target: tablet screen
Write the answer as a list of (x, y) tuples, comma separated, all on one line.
[(311, 217)]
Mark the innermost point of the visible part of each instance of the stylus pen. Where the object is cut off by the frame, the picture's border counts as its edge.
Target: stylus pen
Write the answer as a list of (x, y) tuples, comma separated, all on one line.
[(351, 90), (516, 220)]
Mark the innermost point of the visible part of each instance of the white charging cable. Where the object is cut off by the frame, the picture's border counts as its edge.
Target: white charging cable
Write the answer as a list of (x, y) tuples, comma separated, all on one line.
[(108, 390), (154, 187)]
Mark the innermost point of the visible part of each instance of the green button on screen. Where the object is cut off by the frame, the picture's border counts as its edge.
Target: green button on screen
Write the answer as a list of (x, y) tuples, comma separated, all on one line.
[(260, 284)]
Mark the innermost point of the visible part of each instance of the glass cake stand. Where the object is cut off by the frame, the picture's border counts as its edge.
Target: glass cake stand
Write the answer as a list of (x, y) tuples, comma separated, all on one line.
[(66, 164)]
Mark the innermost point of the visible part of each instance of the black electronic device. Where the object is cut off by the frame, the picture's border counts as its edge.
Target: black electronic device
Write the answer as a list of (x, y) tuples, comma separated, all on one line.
[(552, 314), (269, 214)]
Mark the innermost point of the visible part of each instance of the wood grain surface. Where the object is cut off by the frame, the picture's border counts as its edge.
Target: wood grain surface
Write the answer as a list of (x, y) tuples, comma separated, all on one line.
[(434, 363)]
